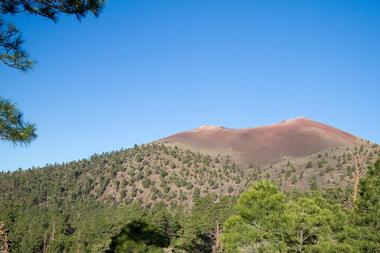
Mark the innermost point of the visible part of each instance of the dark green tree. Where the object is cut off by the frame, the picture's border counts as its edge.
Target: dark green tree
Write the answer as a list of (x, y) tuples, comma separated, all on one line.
[(12, 125), (366, 215), (269, 221), (258, 224), (314, 225), (201, 230), (148, 232)]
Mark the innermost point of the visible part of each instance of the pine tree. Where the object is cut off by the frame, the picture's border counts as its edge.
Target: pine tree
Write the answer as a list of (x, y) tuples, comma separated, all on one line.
[(202, 229), (313, 225), (12, 125), (268, 221), (366, 216), (252, 229), (11, 52)]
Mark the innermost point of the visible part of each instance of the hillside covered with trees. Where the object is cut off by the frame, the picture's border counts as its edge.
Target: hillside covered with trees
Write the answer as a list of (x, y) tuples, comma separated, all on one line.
[(155, 197)]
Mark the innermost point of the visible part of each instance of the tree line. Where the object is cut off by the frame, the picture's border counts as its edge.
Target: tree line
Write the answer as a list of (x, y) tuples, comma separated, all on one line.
[(261, 219)]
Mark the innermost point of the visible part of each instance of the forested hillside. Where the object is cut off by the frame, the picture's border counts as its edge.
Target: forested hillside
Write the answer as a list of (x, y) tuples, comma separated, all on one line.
[(268, 220), (154, 173), (147, 174), (153, 197)]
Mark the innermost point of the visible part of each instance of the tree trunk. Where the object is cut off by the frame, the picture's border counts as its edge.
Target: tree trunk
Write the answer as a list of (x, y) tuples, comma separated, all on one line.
[(356, 188), (45, 238), (78, 251), (4, 240), (216, 246), (53, 233), (358, 173), (301, 241)]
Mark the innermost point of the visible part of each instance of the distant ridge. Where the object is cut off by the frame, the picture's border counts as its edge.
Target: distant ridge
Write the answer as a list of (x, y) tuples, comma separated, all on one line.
[(295, 137)]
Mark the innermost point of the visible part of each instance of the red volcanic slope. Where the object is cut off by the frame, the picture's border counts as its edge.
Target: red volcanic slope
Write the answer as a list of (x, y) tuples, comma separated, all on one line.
[(269, 144)]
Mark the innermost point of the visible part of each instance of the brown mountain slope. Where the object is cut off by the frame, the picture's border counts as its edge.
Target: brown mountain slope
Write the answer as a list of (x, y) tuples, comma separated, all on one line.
[(265, 145)]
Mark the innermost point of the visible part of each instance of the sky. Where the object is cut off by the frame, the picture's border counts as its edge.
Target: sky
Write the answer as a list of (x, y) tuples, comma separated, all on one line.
[(146, 69)]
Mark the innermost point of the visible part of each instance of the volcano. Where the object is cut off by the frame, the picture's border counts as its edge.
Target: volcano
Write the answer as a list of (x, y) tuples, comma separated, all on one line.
[(296, 137)]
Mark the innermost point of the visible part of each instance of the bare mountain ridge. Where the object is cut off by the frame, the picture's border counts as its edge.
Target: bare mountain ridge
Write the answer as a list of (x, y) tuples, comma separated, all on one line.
[(296, 138)]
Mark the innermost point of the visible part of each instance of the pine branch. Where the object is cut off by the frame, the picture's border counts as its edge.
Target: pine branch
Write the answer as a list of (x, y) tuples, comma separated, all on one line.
[(11, 52), (12, 126)]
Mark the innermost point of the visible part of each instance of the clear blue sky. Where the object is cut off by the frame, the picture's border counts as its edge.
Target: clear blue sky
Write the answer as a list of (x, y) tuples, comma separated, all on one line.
[(147, 69)]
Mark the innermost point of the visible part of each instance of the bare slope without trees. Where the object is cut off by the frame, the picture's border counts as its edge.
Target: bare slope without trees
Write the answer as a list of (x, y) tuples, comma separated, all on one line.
[(296, 138)]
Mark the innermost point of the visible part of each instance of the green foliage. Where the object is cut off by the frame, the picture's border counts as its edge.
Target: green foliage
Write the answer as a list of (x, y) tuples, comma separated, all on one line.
[(294, 180), (366, 215), (313, 225), (268, 221), (149, 232), (11, 52), (313, 183), (100, 204), (12, 125), (87, 202), (199, 229), (259, 212)]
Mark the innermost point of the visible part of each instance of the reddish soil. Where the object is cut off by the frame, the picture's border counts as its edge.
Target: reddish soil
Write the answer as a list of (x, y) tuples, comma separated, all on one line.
[(269, 144)]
